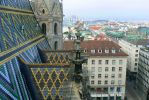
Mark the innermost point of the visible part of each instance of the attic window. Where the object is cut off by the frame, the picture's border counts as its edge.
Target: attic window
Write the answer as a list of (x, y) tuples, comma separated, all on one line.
[(99, 51), (106, 51), (113, 50), (93, 51), (85, 50), (119, 50)]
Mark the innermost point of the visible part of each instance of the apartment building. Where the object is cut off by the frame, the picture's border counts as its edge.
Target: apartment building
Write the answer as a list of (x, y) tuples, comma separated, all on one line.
[(106, 69), (132, 48), (143, 74)]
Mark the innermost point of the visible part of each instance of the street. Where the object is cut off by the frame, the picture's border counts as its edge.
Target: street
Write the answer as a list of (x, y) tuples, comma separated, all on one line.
[(131, 92)]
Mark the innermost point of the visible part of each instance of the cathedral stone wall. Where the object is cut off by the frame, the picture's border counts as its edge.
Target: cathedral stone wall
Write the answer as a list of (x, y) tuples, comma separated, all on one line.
[(50, 13)]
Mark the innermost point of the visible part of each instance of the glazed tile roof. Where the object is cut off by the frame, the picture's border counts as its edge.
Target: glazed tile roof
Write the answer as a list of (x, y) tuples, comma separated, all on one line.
[(97, 45), (20, 36), (49, 80)]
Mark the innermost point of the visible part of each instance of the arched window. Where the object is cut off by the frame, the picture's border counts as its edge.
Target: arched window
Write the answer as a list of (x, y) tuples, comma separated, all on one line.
[(55, 45), (44, 28), (55, 28), (43, 11)]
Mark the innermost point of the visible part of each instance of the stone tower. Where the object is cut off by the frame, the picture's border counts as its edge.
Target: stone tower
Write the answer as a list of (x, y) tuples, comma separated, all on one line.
[(49, 14)]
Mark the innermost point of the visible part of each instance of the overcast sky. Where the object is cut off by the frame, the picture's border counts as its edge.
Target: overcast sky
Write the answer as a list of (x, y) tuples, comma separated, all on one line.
[(108, 9)]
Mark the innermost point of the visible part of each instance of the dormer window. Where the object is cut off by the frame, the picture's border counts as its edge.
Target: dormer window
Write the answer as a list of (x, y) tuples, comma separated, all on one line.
[(113, 50), (99, 51), (119, 50), (106, 50), (22, 27), (85, 50), (93, 51)]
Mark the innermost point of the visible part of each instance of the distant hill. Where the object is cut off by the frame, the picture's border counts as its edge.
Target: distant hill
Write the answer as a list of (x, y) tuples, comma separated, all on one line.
[(95, 21)]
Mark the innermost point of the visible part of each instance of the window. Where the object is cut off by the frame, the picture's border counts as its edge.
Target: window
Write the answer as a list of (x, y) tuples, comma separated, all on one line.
[(112, 89), (92, 89), (106, 75), (92, 77), (113, 76), (119, 50), (98, 90), (118, 89), (120, 69), (135, 69), (85, 50), (99, 75), (113, 62), (92, 51), (43, 11), (113, 50), (106, 81), (99, 69), (136, 50), (99, 51), (136, 55), (120, 62), (106, 51), (44, 28), (99, 82), (92, 82), (55, 45), (105, 89), (99, 62), (119, 75), (113, 69), (112, 81), (92, 69), (136, 59), (55, 28), (93, 61), (106, 62), (136, 64), (106, 69), (119, 82)]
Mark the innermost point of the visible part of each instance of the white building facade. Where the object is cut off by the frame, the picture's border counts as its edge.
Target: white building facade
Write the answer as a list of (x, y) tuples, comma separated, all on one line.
[(133, 51), (106, 70), (132, 48), (107, 76), (106, 67)]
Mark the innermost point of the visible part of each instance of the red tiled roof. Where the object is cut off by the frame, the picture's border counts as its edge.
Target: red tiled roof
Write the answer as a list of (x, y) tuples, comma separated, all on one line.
[(97, 45), (101, 37), (95, 27)]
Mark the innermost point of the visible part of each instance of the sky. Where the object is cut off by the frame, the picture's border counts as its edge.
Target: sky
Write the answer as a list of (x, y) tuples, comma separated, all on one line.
[(124, 10)]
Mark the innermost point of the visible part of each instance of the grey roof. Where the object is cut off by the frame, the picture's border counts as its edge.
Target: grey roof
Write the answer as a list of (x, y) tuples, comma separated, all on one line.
[(140, 42)]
